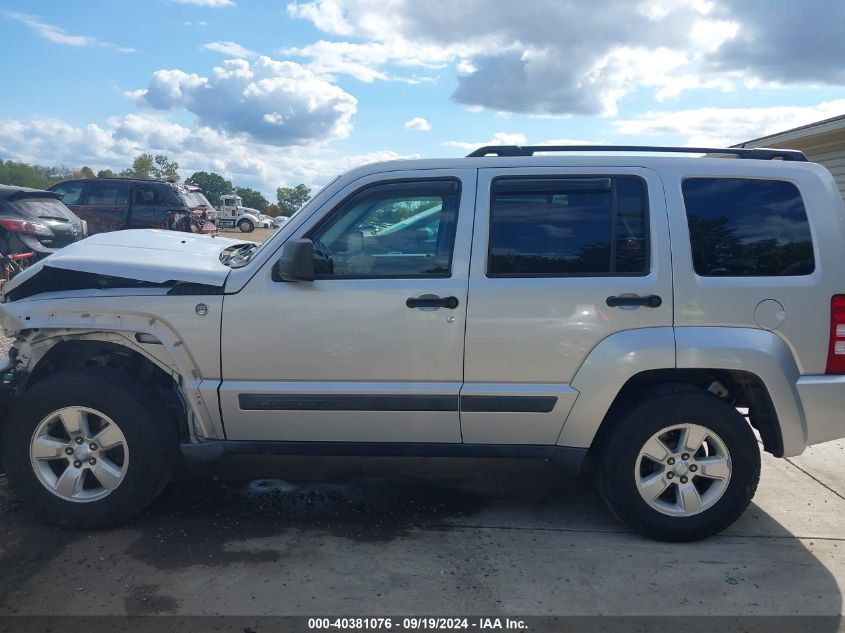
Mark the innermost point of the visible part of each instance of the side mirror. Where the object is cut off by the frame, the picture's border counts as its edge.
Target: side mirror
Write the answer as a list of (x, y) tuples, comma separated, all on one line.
[(296, 262)]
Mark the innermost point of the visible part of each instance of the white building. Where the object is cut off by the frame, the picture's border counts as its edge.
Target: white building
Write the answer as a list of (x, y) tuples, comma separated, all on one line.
[(823, 142)]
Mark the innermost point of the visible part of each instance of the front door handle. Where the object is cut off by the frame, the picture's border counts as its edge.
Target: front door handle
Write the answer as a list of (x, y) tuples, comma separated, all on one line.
[(633, 301), (432, 301)]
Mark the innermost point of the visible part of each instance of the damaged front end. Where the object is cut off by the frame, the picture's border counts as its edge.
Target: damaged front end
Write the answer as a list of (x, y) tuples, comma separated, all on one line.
[(9, 379)]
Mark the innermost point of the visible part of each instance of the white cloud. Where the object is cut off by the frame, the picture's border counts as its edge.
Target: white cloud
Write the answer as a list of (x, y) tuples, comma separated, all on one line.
[(568, 58), (214, 4), (516, 138), (276, 102), (51, 32), (558, 58), (365, 61), (116, 142), (726, 126), (232, 49), (326, 16), (499, 138), (58, 35), (418, 124)]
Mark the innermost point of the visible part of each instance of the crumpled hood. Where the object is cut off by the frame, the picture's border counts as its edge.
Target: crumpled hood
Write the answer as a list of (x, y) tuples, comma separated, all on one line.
[(149, 255)]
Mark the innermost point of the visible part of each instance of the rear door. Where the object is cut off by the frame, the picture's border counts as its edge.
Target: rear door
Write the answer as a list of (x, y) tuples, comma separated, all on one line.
[(561, 259), (106, 206), (156, 206)]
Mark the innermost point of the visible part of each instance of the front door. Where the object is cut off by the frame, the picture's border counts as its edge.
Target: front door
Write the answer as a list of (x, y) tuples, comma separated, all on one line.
[(372, 349), (562, 258)]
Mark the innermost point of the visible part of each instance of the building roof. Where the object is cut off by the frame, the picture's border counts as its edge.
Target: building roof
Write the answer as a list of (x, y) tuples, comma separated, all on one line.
[(826, 126)]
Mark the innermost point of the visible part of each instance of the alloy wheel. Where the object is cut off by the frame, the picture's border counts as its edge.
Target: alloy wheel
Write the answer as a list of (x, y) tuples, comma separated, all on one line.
[(683, 470), (79, 454)]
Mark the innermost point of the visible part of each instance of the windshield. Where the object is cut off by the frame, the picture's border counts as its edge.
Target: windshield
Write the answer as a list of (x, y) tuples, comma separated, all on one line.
[(197, 199)]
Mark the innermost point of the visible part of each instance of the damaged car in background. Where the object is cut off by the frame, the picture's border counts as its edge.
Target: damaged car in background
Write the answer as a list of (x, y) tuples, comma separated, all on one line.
[(115, 204), (33, 224)]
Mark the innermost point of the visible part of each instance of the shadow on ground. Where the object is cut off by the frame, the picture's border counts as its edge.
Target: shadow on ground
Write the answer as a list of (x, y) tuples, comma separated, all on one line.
[(515, 536)]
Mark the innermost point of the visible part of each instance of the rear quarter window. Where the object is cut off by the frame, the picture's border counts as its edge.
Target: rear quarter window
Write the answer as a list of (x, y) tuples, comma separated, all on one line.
[(72, 191), (743, 227)]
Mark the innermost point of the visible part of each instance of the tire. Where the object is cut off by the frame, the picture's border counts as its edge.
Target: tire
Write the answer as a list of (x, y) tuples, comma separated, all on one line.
[(145, 460), (624, 468), (246, 226)]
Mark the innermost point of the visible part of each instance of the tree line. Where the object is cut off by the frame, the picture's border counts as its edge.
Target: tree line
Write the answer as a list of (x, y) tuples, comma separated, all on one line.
[(158, 167)]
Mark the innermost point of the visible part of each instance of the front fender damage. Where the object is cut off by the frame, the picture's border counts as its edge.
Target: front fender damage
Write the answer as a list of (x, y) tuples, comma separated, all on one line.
[(157, 344)]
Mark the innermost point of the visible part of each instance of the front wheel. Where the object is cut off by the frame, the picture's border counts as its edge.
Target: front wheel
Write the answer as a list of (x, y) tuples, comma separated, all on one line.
[(679, 466), (246, 226), (88, 448)]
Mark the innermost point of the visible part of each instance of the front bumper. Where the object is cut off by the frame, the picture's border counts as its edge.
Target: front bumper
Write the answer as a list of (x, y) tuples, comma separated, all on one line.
[(823, 400)]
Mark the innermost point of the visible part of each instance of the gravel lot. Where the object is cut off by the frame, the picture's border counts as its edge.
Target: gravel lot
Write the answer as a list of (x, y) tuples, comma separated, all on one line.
[(5, 342), (258, 235)]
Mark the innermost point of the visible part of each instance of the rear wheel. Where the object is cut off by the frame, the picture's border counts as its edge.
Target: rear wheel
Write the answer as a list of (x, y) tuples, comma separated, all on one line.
[(246, 226), (89, 448), (679, 466)]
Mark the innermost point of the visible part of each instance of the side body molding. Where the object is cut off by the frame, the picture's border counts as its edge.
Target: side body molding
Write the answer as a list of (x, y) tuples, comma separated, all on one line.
[(759, 352), (606, 370)]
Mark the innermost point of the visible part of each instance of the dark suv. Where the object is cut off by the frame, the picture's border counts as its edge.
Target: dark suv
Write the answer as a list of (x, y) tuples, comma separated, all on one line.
[(36, 221), (112, 204)]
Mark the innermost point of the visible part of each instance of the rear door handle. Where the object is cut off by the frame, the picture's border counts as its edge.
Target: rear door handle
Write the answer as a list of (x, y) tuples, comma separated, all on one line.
[(649, 301), (432, 301)]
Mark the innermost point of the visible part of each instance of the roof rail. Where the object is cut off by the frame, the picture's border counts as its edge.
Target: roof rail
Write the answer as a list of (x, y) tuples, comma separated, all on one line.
[(758, 153)]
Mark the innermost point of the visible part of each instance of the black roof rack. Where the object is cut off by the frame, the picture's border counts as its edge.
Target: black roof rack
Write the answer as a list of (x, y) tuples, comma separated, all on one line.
[(758, 153)]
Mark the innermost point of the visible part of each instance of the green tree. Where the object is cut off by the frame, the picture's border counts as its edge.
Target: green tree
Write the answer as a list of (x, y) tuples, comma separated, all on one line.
[(149, 167), (106, 173), (142, 166), (165, 169), (292, 198), (252, 198), (26, 175), (272, 210), (83, 172), (212, 185)]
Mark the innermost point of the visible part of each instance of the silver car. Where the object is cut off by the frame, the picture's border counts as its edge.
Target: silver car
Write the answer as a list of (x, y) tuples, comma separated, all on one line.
[(649, 314)]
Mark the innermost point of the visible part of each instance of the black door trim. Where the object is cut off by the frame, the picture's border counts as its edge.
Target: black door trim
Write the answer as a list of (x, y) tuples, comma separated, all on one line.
[(508, 404), (390, 402), (345, 402)]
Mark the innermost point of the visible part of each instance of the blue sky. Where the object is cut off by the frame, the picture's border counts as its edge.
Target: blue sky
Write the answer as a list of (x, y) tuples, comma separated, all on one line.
[(275, 93)]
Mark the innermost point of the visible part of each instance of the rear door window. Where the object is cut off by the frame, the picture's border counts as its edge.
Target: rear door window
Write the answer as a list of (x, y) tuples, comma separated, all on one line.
[(108, 192), (146, 194), (568, 226), (744, 227)]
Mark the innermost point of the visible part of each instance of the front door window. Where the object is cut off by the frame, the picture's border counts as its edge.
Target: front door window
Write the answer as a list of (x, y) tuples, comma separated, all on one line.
[(397, 230)]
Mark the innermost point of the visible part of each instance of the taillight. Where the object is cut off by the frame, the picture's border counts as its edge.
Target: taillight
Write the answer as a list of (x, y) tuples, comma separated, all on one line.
[(836, 351), (25, 226)]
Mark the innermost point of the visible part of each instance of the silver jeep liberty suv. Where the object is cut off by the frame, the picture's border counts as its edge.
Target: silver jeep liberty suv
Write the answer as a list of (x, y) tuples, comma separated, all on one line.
[(657, 315)]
